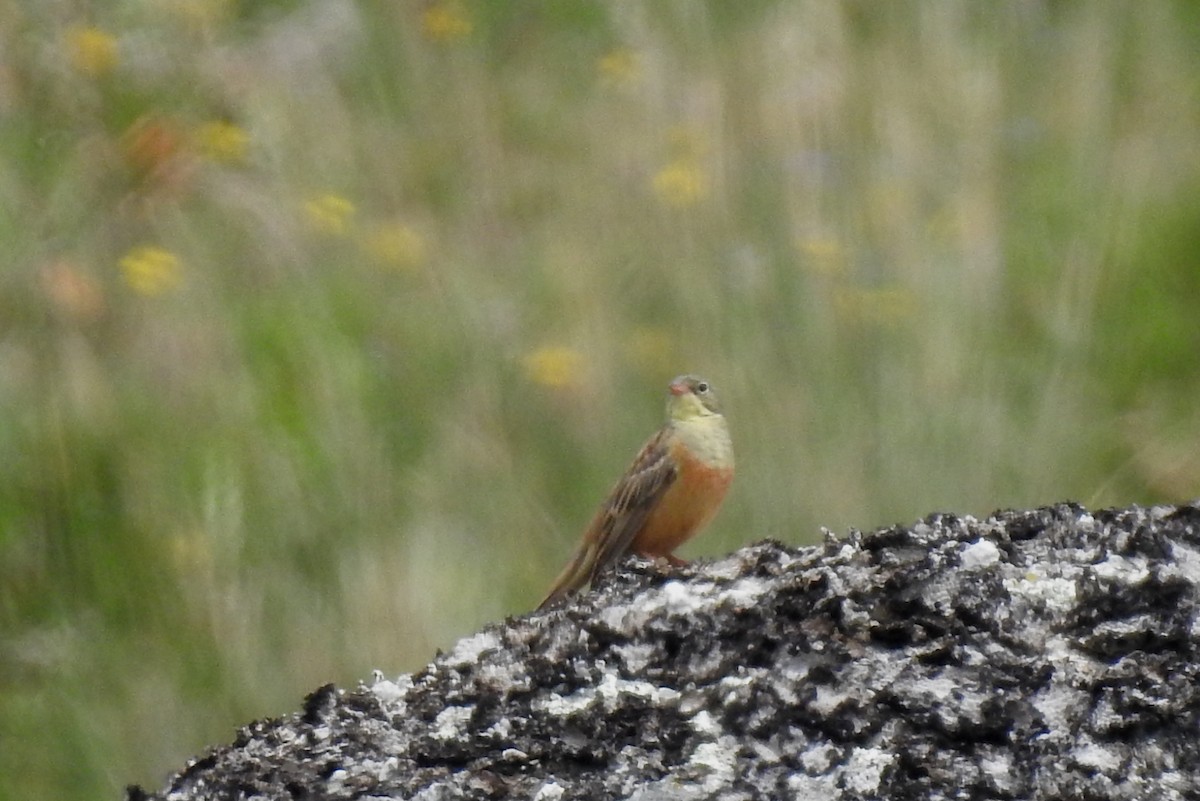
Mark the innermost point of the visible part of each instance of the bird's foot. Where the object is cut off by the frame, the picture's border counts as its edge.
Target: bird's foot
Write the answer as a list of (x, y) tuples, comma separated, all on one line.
[(666, 562)]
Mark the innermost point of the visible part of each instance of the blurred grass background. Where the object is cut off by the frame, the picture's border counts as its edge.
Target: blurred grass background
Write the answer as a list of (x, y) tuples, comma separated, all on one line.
[(326, 325)]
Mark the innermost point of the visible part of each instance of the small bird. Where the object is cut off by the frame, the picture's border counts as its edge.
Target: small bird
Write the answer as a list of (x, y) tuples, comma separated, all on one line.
[(673, 488)]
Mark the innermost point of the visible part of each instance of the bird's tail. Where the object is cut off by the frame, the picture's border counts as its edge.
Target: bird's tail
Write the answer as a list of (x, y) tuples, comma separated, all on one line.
[(575, 575)]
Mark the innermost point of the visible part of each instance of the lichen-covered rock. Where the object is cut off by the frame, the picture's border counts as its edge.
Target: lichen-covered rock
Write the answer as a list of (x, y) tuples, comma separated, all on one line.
[(1050, 654)]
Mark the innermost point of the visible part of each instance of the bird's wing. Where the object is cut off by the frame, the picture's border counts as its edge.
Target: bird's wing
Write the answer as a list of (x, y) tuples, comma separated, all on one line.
[(631, 501), (619, 519)]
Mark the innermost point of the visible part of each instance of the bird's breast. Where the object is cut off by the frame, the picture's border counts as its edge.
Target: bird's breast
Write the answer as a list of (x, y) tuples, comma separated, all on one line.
[(703, 458)]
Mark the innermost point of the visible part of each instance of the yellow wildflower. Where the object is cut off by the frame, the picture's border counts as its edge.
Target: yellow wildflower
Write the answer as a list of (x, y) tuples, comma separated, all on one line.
[(555, 366), (395, 244), (222, 141), (329, 213), (619, 67), (681, 183), (445, 22), (150, 270), (93, 51)]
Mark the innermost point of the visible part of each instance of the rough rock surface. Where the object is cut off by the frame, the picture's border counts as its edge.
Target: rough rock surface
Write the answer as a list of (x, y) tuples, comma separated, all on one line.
[(1048, 654)]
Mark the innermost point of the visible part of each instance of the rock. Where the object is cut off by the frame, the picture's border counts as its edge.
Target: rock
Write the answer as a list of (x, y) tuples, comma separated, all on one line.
[(1048, 654)]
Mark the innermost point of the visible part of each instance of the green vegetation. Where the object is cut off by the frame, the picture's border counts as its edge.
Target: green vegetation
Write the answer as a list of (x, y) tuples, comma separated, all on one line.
[(326, 325)]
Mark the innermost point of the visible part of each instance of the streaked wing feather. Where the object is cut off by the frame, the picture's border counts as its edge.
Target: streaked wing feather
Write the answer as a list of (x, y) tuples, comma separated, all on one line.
[(629, 504)]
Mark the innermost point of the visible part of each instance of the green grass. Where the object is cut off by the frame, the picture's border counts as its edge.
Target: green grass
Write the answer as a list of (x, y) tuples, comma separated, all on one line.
[(424, 271)]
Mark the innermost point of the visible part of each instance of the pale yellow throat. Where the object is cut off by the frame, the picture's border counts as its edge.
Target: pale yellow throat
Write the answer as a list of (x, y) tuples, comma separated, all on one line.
[(706, 437)]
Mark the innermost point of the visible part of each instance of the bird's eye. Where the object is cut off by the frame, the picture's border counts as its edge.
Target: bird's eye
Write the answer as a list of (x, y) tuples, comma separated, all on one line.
[(702, 386)]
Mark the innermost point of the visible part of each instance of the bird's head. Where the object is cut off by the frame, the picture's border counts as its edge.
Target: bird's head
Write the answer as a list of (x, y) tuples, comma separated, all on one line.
[(690, 396)]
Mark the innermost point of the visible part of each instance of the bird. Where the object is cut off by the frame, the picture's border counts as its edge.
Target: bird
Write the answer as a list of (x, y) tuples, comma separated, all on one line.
[(672, 490)]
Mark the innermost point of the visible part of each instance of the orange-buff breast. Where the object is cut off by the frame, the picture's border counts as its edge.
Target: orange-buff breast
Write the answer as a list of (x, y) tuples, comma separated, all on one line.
[(685, 508)]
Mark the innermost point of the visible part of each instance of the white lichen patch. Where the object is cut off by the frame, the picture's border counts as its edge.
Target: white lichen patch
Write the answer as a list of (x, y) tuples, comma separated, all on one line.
[(681, 599), (745, 592), (980, 554), (500, 730), (714, 764), (704, 662), (940, 687), (818, 758), (468, 650), (725, 569), (1054, 593), (390, 693), (1186, 563), (796, 667), (607, 695), (621, 617), (451, 722), (674, 598), (828, 700), (336, 782), (550, 791), (704, 723), (999, 767), (507, 673), (1058, 705), (716, 757), (637, 656), (764, 752), (1116, 567), (864, 771), (562, 706), (1091, 754)]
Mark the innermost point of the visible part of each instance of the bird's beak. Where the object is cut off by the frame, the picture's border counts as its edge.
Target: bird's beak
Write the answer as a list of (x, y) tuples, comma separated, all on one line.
[(678, 388)]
